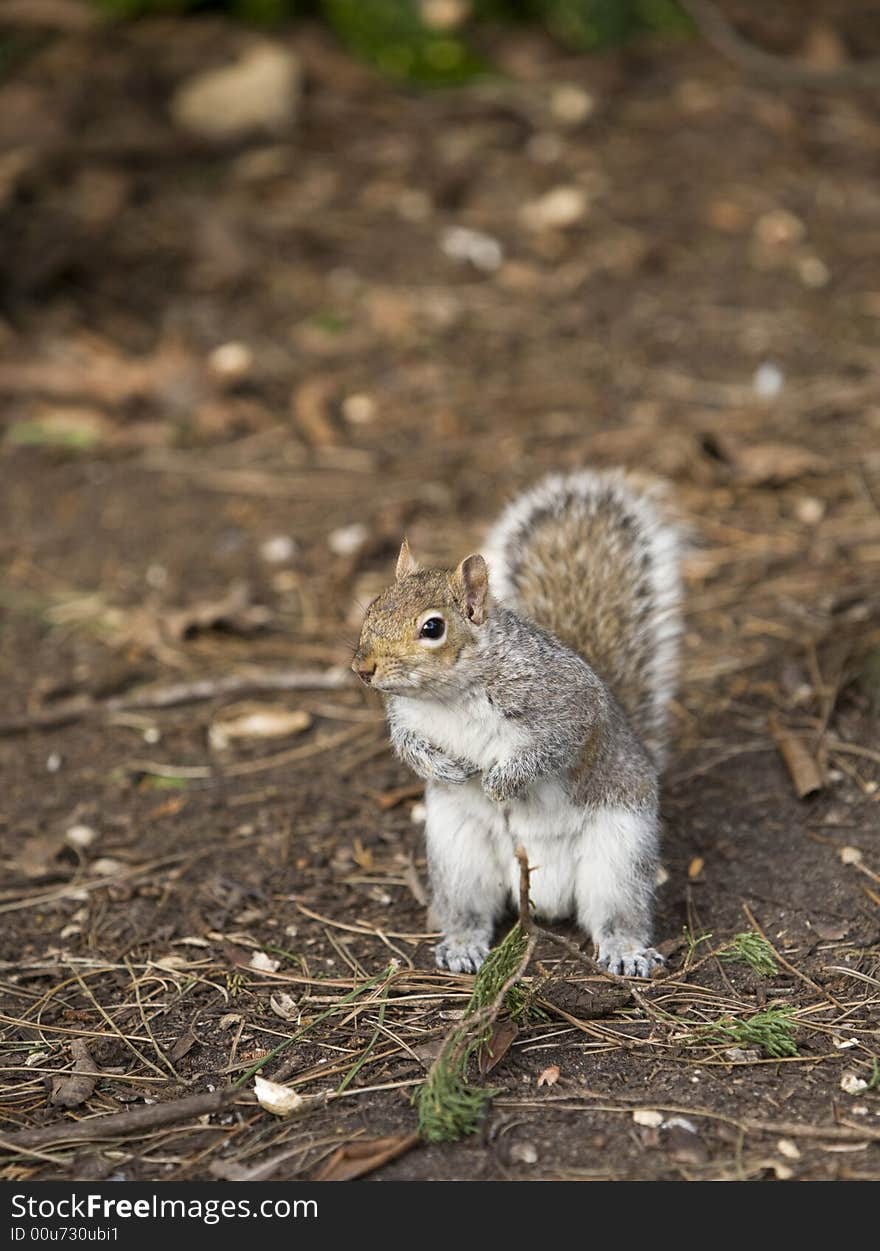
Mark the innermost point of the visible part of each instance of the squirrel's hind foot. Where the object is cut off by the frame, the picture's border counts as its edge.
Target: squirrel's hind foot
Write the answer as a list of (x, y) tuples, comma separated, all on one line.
[(462, 953), (627, 959)]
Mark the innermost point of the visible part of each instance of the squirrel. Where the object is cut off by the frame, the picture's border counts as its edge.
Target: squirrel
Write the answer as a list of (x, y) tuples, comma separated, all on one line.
[(530, 688)]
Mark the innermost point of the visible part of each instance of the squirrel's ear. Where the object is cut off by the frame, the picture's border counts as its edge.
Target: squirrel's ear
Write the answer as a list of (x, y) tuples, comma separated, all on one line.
[(406, 562), (471, 582)]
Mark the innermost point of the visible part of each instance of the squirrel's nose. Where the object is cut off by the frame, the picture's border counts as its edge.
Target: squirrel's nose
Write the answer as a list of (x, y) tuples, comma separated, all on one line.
[(365, 669)]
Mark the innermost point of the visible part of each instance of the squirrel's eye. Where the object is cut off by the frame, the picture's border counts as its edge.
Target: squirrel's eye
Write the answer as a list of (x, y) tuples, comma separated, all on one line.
[(434, 628)]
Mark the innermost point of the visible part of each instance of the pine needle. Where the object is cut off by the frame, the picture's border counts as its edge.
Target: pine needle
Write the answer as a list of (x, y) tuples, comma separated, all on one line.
[(752, 949), (772, 1030)]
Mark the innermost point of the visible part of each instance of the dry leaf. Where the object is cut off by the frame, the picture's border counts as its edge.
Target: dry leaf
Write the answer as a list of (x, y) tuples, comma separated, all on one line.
[(503, 1034), (695, 868), (185, 1043), (36, 855), (247, 721), (804, 771), (356, 1159), (767, 464), (275, 1098), (550, 1076), (285, 1006), (233, 612), (229, 1019), (74, 1088)]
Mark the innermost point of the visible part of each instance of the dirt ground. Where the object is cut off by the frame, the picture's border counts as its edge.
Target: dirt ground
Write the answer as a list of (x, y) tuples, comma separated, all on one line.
[(178, 901)]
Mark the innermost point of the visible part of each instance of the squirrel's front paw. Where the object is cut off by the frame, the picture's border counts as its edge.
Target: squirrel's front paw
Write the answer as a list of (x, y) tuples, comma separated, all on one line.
[(446, 770), (462, 953), (627, 959), (500, 785)]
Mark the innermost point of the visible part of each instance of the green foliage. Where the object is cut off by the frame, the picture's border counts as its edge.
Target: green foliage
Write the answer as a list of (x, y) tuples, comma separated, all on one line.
[(693, 941), (394, 36), (449, 1106), (772, 1030), (751, 949)]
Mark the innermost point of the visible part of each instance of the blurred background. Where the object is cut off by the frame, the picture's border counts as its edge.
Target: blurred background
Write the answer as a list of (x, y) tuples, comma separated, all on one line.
[(281, 280)]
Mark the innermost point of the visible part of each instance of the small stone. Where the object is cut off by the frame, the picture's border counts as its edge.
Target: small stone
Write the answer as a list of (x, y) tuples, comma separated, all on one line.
[(107, 866), (259, 92), (558, 209), (444, 14), (54, 762), (850, 855), (275, 1098), (810, 510), (231, 361), (571, 105), (80, 836), (768, 380), (277, 550), (418, 814), (779, 228), (348, 540), (789, 1149), (813, 272), (524, 1153), (482, 251), (263, 963), (661, 876), (852, 1084), (359, 409), (648, 1117)]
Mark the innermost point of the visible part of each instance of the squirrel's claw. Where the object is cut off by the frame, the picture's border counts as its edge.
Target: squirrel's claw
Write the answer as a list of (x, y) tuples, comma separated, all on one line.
[(627, 960), (461, 955)]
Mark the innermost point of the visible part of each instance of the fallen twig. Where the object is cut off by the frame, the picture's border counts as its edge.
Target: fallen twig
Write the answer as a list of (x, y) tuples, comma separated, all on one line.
[(172, 696), (726, 39), (138, 1121)]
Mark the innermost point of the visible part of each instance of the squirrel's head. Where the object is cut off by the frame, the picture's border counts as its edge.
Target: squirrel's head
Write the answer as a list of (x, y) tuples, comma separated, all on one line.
[(415, 633)]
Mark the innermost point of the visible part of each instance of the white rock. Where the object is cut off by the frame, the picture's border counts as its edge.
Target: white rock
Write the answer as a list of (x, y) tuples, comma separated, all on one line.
[(53, 762), (359, 409), (259, 92), (348, 540), (275, 1098), (813, 272), (481, 250), (556, 210), (852, 1084), (81, 836), (648, 1117), (768, 380), (277, 550), (789, 1149), (418, 814), (850, 855), (263, 963), (107, 866), (571, 105), (231, 361)]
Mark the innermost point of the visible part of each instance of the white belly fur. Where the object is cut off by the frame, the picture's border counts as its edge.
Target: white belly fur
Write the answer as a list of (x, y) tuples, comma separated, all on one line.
[(473, 730)]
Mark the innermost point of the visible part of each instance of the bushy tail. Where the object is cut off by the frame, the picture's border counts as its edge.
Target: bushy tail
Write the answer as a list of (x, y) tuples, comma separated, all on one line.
[(588, 557)]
